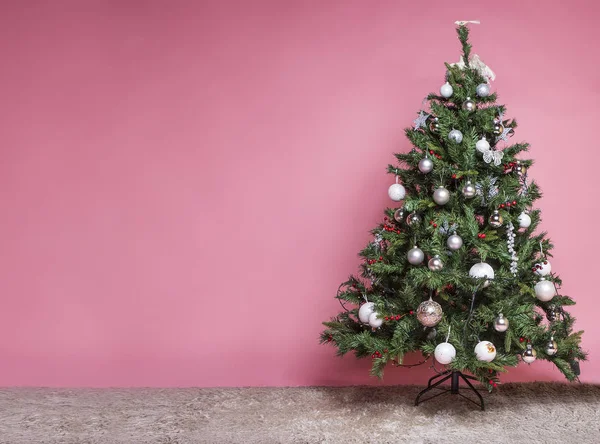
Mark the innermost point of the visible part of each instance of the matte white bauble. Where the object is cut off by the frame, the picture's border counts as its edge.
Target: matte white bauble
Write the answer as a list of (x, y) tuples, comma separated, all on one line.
[(444, 353), (396, 192), (482, 270), (365, 311), (524, 220), (544, 290), (483, 90), (482, 145), (374, 320), (446, 90), (454, 242), (543, 268), (485, 351)]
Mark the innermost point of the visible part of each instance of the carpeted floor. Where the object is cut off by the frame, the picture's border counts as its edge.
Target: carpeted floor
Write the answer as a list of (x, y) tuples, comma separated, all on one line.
[(516, 413)]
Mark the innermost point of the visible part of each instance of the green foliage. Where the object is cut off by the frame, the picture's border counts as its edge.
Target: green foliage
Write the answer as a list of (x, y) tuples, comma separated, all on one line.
[(397, 288)]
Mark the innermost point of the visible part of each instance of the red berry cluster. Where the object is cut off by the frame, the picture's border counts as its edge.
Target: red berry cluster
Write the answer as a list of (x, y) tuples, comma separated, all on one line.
[(372, 261), (329, 338), (387, 227), (509, 166), (538, 266), (492, 383), (449, 287), (433, 224), (376, 355), (507, 204), (481, 235), (434, 154), (396, 317)]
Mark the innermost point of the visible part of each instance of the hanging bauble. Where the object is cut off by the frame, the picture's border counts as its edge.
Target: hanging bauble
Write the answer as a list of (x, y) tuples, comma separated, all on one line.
[(429, 313), (529, 354), (482, 145), (425, 165), (396, 191), (469, 105), (544, 290), (543, 268), (435, 264), (399, 215), (454, 242), (485, 351), (365, 311), (444, 353), (469, 190), (413, 219), (431, 333), (374, 320), (524, 220), (482, 270), (501, 323), (551, 347), (551, 313), (520, 169), (455, 136), (495, 219), (415, 255), (441, 196), (434, 125), (498, 128), (483, 90), (446, 90)]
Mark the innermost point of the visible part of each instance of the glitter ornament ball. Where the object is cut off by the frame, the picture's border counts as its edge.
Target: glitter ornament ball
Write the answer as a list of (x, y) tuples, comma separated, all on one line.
[(454, 242), (483, 90), (365, 311), (455, 136), (524, 220), (434, 125), (469, 105), (396, 192), (446, 90), (399, 215), (415, 255), (425, 165), (429, 313), (496, 220), (441, 196), (482, 145), (482, 270), (374, 320), (485, 351), (413, 219), (529, 354), (543, 268), (435, 264), (444, 353), (469, 190), (551, 347), (501, 323), (544, 290)]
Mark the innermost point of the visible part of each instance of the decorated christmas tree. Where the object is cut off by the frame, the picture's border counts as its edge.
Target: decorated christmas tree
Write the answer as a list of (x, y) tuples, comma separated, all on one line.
[(457, 269)]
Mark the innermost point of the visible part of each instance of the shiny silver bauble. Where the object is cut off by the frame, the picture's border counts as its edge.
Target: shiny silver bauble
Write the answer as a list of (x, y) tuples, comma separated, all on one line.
[(501, 323), (455, 136), (425, 165), (454, 242), (415, 255), (469, 190), (434, 125), (441, 196), (529, 354), (496, 219), (551, 347), (469, 105), (413, 219), (435, 264), (399, 215)]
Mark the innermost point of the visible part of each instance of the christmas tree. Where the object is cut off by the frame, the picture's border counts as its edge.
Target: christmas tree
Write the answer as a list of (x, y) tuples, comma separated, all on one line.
[(457, 270)]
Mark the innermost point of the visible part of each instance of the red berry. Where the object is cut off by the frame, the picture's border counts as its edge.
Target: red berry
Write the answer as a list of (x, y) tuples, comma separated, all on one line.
[(508, 204), (385, 350), (491, 382), (398, 231), (501, 205), (483, 235), (380, 258), (491, 371), (521, 339), (411, 312), (514, 202), (397, 317), (385, 318), (434, 225), (545, 263), (385, 218), (454, 176), (495, 385)]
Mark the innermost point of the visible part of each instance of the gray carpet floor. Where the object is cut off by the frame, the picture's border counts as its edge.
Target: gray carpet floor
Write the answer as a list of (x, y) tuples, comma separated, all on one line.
[(516, 413)]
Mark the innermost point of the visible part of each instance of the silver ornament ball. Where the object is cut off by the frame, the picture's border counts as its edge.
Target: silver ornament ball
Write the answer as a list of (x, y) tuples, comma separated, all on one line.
[(529, 354), (425, 165), (454, 242), (469, 190), (435, 264), (415, 255), (413, 219), (551, 347), (469, 105), (429, 313), (441, 196), (483, 90), (455, 136), (399, 215), (496, 220), (501, 323)]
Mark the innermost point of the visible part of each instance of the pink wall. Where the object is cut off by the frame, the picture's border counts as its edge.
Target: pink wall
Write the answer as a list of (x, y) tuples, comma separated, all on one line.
[(183, 185)]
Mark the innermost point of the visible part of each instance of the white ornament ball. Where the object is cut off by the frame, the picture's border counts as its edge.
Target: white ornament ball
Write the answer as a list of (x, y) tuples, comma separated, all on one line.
[(425, 165), (483, 90), (441, 196), (543, 268), (482, 270), (365, 311), (544, 290), (455, 135), (454, 242), (374, 320), (396, 192), (482, 145), (446, 90), (524, 220), (415, 255), (444, 353), (485, 351)]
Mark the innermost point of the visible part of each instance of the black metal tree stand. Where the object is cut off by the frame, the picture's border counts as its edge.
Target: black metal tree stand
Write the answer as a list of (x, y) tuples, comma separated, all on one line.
[(454, 377)]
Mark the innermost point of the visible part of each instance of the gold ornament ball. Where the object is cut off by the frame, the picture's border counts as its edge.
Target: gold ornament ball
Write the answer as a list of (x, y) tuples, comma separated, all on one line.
[(520, 169), (496, 220), (429, 313), (434, 126), (498, 129)]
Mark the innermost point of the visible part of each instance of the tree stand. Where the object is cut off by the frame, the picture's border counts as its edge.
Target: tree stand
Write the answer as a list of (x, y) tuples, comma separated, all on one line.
[(454, 377)]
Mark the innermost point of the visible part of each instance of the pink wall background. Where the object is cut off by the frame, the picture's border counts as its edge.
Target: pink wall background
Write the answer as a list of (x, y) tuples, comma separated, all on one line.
[(184, 185)]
